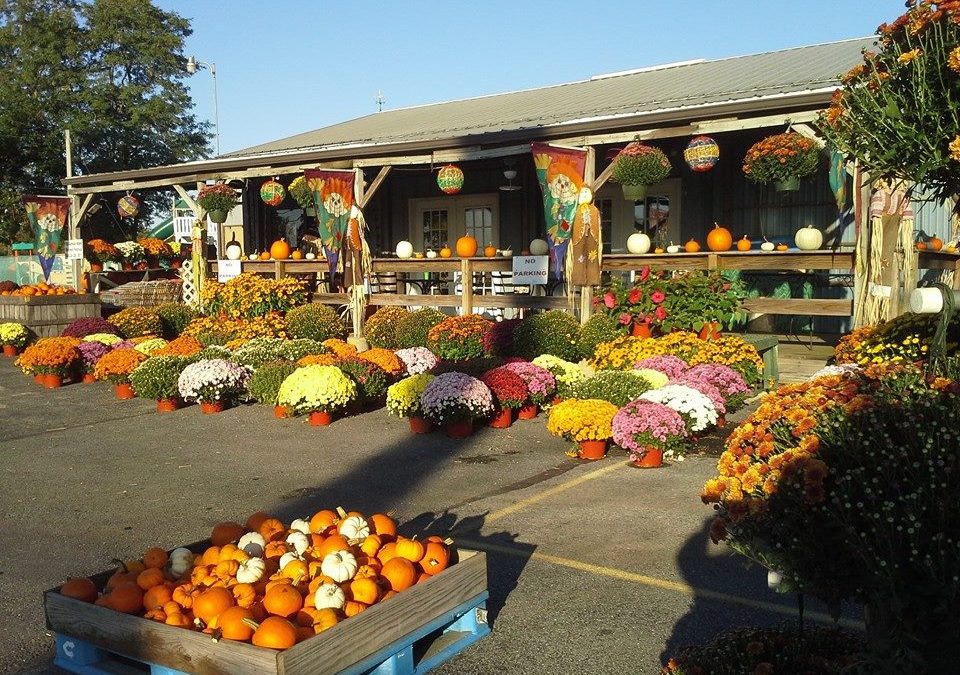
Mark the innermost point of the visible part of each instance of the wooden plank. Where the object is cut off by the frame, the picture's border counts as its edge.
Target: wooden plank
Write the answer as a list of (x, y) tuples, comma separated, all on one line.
[(655, 261), (938, 260), (800, 306), (278, 269), (332, 298), (366, 633), (602, 178), (371, 189), (415, 265), (786, 260), (518, 301), (191, 202), (466, 278), (403, 300), (154, 642), (445, 156)]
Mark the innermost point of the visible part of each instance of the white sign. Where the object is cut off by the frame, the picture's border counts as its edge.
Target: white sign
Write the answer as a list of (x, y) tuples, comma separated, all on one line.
[(530, 269), (74, 249), (227, 269)]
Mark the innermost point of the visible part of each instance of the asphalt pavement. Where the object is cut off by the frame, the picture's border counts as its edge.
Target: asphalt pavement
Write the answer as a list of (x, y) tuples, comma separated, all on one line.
[(594, 567)]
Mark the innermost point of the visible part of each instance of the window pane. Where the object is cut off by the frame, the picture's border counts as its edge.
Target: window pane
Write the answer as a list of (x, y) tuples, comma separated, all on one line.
[(479, 223), (435, 228)]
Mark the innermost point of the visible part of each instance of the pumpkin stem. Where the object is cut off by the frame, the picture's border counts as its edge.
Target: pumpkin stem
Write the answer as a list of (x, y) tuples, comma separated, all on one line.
[(216, 634), (341, 512), (251, 623), (448, 541), (121, 564)]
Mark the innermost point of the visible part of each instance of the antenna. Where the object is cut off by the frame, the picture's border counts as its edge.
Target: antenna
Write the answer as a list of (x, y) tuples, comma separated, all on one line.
[(380, 101)]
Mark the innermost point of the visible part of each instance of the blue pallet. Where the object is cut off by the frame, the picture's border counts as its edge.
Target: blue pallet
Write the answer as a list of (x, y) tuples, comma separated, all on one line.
[(415, 653)]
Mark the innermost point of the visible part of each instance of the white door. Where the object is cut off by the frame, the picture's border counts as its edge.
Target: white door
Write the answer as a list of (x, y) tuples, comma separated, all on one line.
[(438, 221)]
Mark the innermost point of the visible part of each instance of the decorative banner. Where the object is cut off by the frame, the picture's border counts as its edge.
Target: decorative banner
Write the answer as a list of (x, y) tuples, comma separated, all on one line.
[(272, 193), (838, 178), (128, 206), (333, 198), (450, 179), (560, 174), (586, 246), (48, 217), (702, 153)]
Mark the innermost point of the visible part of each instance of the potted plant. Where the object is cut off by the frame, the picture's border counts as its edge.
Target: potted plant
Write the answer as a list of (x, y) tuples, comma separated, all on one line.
[(302, 195), (131, 253), (637, 166), (541, 385), (649, 431), (319, 391), (417, 360), (371, 380), (565, 373), (619, 387), (403, 400), (587, 422), (782, 159), (704, 303), (698, 411), (728, 382), (90, 353), (50, 360), (213, 383), (459, 338), (641, 307), (116, 366), (265, 384), (157, 378), (217, 200), (455, 400), (135, 322), (157, 250), (99, 252), (13, 337), (509, 393)]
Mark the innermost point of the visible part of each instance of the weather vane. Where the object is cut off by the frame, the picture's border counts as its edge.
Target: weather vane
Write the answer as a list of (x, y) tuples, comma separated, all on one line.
[(380, 100)]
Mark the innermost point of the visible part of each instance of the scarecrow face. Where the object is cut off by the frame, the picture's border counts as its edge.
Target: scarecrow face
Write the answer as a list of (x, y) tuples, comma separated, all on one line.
[(335, 204), (563, 189), (49, 222)]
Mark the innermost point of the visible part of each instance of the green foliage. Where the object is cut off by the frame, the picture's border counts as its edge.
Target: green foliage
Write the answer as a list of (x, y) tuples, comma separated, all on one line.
[(382, 327), (598, 328), (174, 317), (296, 349), (214, 338), (639, 164), (616, 386), (554, 332), (156, 377), (371, 380), (413, 328), (315, 322), (696, 298), (260, 350), (213, 351), (266, 380)]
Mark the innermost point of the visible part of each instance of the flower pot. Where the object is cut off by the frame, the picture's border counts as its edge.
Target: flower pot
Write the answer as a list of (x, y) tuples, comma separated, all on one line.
[(592, 449), (142, 265), (321, 418), (96, 267), (528, 412), (502, 420), (280, 412), (721, 421), (710, 330), (791, 184), (126, 266), (124, 391), (10, 350), (420, 425), (461, 429), (167, 404), (652, 458), (218, 216), (211, 407), (556, 400), (641, 329), (88, 378), (634, 193), (38, 378), (53, 381)]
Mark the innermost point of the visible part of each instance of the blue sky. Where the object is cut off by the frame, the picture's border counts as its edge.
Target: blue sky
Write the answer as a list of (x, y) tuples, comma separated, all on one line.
[(294, 65)]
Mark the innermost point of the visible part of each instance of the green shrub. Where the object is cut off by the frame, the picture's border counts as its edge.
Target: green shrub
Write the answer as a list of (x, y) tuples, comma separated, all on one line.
[(266, 380), (214, 338), (174, 317), (554, 332), (413, 328), (157, 377), (617, 387), (136, 321), (213, 351), (599, 328), (260, 350), (372, 380), (381, 328), (294, 350), (315, 322)]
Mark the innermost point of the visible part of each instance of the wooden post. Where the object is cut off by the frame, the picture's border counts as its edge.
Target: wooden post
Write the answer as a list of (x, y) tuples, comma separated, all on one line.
[(73, 226), (466, 278), (586, 292), (279, 269)]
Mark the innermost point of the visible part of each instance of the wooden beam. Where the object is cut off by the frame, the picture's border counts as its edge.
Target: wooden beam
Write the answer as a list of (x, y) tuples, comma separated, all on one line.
[(466, 281), (82, 211), (444, 156), (807, 131), (799, 306), (188, 199), (602, 178), (374, 186)]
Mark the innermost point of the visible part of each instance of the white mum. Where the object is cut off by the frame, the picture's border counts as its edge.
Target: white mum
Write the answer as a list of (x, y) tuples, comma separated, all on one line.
[(696, 408)]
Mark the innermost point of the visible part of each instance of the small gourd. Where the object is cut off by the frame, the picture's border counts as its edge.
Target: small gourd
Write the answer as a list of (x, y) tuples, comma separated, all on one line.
[(767, 245), (782, 247), (673, 248), (431, 253), (251, 571), (310, 255), (744, 244), (808, 238), (253, 256), (339, 566), (181, 560), (935, 244), (288, 558), (253, 543), (354, 528), (299, 541), (490, 251), (300, 525), (329, 595), (692, 246), (446, 252)]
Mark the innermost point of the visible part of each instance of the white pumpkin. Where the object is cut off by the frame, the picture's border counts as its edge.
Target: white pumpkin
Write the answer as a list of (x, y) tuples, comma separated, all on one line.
[(253, 543), (339, 566), (329, 595), (310, 255), (252, 256), (181, 561), (288, 558), (638, 243), (404, 249), (767, 245), (431, 253), (354, 527), (301, 525), (539, 247), (506, 253), (251, 570), (299, 541), (673, 248), (808, 238)]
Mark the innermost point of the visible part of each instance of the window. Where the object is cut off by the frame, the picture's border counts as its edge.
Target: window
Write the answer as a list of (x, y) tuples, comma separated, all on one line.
[(435, 232), (605, 206), (478, 221), (435, 222)]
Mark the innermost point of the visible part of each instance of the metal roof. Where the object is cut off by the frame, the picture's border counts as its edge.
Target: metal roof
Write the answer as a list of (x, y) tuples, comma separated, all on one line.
[(674, 87)]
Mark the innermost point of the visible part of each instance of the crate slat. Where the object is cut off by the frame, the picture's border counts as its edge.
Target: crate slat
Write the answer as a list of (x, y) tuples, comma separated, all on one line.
[(47, 316)]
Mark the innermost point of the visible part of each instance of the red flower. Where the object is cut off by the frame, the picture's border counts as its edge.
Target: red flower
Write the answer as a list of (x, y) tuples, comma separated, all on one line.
[(660, 313), (657, 297), (644, 273), (634, 296), (624, 319), (609, 300)]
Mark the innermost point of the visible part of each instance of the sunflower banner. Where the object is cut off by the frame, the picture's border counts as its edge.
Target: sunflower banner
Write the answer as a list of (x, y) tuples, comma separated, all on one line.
[(333, 199), (48, 217), (560, 174)]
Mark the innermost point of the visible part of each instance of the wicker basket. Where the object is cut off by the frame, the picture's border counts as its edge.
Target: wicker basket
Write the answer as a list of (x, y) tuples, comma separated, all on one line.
[(143, 293)]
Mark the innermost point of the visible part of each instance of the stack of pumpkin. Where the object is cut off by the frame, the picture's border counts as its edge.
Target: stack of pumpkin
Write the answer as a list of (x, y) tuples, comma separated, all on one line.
[(271, 584)]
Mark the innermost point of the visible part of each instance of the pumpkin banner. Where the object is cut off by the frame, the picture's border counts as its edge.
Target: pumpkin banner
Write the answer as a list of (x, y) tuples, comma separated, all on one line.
[(47, 217), (333, 199), (560, 174)]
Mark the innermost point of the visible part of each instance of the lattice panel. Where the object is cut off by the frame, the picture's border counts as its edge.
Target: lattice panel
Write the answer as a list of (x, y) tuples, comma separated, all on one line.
[(190, 295)]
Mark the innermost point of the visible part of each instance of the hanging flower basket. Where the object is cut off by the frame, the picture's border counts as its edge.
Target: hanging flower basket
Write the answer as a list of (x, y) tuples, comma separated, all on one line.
[(782, 159)]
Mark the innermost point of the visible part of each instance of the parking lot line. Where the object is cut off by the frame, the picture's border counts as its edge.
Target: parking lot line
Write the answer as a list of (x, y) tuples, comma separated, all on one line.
[(654, 582), (556, 489)]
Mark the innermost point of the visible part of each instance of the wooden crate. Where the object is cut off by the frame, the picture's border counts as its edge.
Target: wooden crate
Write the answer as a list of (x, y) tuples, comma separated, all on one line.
[(45, 315), (355, 645)]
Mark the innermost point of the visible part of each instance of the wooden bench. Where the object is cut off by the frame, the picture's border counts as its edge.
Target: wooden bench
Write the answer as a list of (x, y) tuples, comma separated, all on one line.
[(769, 348)]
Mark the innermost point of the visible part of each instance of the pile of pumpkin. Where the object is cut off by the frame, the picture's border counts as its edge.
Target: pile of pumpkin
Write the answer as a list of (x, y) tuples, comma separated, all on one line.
[(42, 288), (271, 584)]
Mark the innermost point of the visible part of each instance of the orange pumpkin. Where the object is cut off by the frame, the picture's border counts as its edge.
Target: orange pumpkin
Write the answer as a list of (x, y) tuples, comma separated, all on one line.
[(179, 619), (155, 557), (296, 254), (256, 520), (283, 600), (365, 590), (225, 533), (384, 526), (80, 589), (467, 246), (210, 556), (445, 252), (935, 244), (921, 246), (782, 247), (490, 251), (387, 552), (232, 625), (321, 520), (352, 608), (265, 255), (324, 619), (243, 594), (744, 244), (184, 594), (333, 543), (692, 246), (126, 597), (280, 250), (149, 578), (399, 573), (411, 549), (275, 632), (212, 603), (658, 250), (271, 529), (719, 238), (157, 596), (371, 544), (436, 558)]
